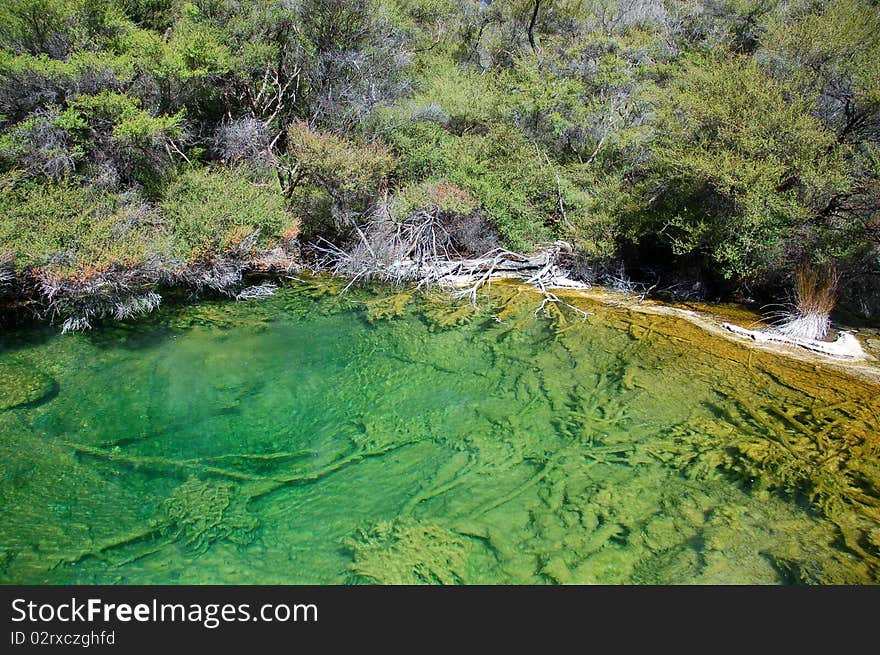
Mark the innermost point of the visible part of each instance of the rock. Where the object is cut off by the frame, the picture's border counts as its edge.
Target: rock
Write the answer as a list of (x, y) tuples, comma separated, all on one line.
[(22, 385)]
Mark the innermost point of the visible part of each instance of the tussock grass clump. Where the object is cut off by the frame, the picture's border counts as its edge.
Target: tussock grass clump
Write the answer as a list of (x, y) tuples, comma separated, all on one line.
[(815, 297)]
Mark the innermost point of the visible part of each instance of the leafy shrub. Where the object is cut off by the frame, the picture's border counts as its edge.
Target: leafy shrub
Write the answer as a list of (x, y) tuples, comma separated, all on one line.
[(468, 100), (213, 209), (513, 182), (40, 146), (341, 166), (113, 130), (54, 27), (745, 167), (344, 176), (67, 227), (433, 196), (420, 148), (354, 60), (151, 14)]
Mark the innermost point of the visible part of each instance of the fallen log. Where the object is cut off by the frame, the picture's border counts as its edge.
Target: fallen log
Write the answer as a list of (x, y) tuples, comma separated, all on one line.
[(846, 346)]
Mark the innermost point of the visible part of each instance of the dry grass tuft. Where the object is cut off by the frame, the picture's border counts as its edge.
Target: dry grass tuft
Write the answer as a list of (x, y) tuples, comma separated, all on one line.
[(815, 297)]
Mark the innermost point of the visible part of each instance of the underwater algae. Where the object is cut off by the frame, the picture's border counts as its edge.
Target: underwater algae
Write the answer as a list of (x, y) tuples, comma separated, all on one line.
[(22, 385), (372, 437)]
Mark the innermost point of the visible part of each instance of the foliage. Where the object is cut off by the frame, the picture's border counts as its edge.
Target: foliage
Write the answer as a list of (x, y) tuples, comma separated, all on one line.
[(419, 147), (832, 49), (56, 27), (41, 146), (744, 166), (211, 210), (738, 138), (343, 167), (518, 187), (75, 228), (444, 197), (462, 99)]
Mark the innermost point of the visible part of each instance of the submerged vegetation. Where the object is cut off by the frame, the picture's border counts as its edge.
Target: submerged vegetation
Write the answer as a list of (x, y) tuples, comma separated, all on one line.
[(703, 149), (462, 444)]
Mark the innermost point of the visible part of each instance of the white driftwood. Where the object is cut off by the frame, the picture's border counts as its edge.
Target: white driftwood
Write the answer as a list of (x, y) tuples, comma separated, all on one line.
[(846, 346)]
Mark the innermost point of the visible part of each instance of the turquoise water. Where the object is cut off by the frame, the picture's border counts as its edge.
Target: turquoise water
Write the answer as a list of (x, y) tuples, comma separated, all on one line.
[(314, 437)]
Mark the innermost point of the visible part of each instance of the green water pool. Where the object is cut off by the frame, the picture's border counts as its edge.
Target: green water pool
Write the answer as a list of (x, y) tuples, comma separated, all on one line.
[(371, 437)]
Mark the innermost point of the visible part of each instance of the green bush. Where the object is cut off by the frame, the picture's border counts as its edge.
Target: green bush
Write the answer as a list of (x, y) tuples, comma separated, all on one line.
[(735, 135), (341, 166), (332, 180), (513, 182), (744, 166), (441, 196), (55, 27), (75, 228), (214, 209), (420, 148)]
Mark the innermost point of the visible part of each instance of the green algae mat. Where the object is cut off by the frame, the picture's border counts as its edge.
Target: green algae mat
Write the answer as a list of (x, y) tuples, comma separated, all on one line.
[(370, 437)]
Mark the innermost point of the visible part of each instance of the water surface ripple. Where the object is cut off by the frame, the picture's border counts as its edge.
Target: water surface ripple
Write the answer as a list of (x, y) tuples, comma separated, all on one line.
[(366, 437)]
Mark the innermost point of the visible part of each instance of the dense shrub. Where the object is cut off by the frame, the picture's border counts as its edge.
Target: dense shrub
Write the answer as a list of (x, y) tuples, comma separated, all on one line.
[(212, 210), (744, 166), (348, 174), (738, 138), (345, 168), (419, 147), (67, 227)]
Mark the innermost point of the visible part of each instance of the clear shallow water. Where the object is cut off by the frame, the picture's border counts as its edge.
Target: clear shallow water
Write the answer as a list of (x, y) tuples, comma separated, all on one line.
[(319, 438)]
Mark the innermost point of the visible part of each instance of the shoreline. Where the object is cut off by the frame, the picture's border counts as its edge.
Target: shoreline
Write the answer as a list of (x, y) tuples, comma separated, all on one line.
[(847, 354), (863, 365), (539, 272)]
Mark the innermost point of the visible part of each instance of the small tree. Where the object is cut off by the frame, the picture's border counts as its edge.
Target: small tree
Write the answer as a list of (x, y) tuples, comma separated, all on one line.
[(742, 169), (353, 58), (350, 173)]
